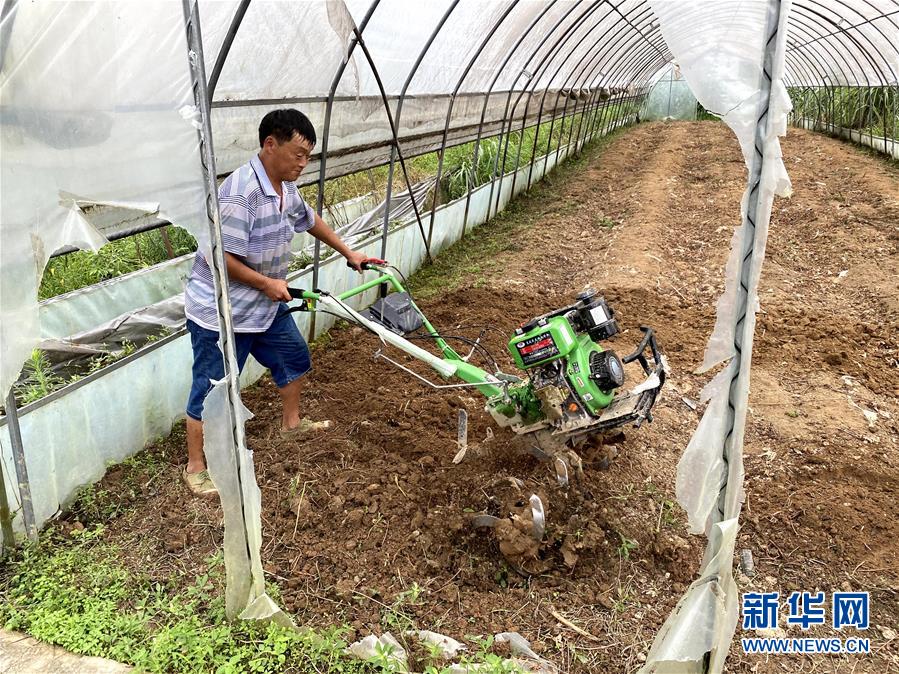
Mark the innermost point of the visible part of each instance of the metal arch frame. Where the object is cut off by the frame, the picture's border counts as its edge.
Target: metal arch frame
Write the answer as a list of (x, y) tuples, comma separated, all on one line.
[(477, 144), (819, 23), (619, 35), (393, 131), (449, 111), (647, 67), (607, 49), (813, 59), (853, 26), (613, 69), (399, 110), (593, 83), (597, 61), (858, 26), (508, 114), (570, 11), (831, 48), (798, 63), (874, 58), (813, 66), (326, 132), (611, 47), (225, 49), (629, 39), (536, 75), (831, 63)]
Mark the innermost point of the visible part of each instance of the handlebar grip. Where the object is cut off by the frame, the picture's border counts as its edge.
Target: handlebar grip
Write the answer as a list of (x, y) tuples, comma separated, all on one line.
[(296, 293), (365, 266)]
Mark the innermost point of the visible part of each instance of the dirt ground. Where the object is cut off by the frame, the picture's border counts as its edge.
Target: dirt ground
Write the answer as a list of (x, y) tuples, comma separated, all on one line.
[(356, 518)]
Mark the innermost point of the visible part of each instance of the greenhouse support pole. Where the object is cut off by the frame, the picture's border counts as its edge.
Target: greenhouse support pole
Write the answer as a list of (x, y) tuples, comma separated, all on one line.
[(396, 140), (7, 536), (744, 322), (324, 136), (217, 258), (670, 84), (18, 452), (226, 47)]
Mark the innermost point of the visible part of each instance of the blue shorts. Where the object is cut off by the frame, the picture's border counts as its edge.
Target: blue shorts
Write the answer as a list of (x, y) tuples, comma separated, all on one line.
[(281, 349)]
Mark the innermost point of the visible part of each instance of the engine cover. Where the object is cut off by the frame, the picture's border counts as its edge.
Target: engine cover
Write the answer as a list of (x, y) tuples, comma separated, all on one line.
[(606, 369), (593, 396)]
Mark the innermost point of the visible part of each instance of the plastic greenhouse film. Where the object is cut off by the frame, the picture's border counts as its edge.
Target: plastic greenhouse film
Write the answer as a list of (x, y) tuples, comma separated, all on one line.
[(137, 327), (91, 93), (702, 470), (722, 57), (241, 505), (704, 618)]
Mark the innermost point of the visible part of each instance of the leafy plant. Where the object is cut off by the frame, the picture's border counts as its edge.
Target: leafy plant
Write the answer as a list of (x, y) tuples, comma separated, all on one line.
[(39, 380), (77, 595), (83, 268), (626, 546)]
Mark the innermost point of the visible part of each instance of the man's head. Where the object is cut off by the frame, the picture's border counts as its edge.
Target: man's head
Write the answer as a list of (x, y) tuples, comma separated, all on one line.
[(286, 139)]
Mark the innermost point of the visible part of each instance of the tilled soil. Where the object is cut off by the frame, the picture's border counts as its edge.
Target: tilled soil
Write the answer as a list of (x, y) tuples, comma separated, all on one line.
[(355, 518)]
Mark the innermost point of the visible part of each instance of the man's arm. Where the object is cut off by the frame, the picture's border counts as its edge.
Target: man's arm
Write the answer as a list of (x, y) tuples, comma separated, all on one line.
[(329, 237), (275, 289)]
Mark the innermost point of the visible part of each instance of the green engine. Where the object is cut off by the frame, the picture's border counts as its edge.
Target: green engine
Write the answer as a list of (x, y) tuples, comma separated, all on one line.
[(570, 374)]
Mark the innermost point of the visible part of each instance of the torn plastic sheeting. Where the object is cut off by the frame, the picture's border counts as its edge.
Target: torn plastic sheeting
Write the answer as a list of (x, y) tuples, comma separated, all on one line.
[(79, 80), (705, 617), (135, 327), (233, 474), (720, 57), (701, 471), (22, 260), (132, 326)]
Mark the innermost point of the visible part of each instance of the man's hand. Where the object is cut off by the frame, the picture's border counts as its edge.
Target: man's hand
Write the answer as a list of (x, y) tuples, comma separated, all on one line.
[(355, 259), (276, 290)]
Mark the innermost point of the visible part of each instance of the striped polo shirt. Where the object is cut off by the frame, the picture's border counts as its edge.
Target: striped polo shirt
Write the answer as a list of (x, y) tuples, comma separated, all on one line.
[(256, 229)]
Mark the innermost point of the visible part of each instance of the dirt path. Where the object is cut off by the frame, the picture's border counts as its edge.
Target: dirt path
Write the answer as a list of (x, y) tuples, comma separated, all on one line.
[(357, 518)]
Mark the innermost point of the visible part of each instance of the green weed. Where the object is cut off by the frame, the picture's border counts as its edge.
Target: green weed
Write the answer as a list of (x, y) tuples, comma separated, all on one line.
[(603, 221), (626, 546), (39, 378), (83, 268), (78, 596)]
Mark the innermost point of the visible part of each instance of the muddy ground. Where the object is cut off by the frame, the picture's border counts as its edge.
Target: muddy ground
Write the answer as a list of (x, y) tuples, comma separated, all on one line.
[(355, 518)]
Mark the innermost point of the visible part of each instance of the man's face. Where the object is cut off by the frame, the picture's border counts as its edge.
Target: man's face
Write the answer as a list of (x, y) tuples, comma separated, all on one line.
[(288, 159)]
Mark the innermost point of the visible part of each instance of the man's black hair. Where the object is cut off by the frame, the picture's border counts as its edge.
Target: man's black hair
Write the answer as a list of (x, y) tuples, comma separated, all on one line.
[(282, 124)]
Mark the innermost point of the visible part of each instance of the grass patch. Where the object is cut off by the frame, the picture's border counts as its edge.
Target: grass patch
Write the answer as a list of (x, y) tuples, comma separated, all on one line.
[(83, 267), (72, 591)]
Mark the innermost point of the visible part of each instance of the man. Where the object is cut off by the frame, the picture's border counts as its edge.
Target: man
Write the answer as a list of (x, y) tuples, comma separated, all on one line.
[(261, 209)]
